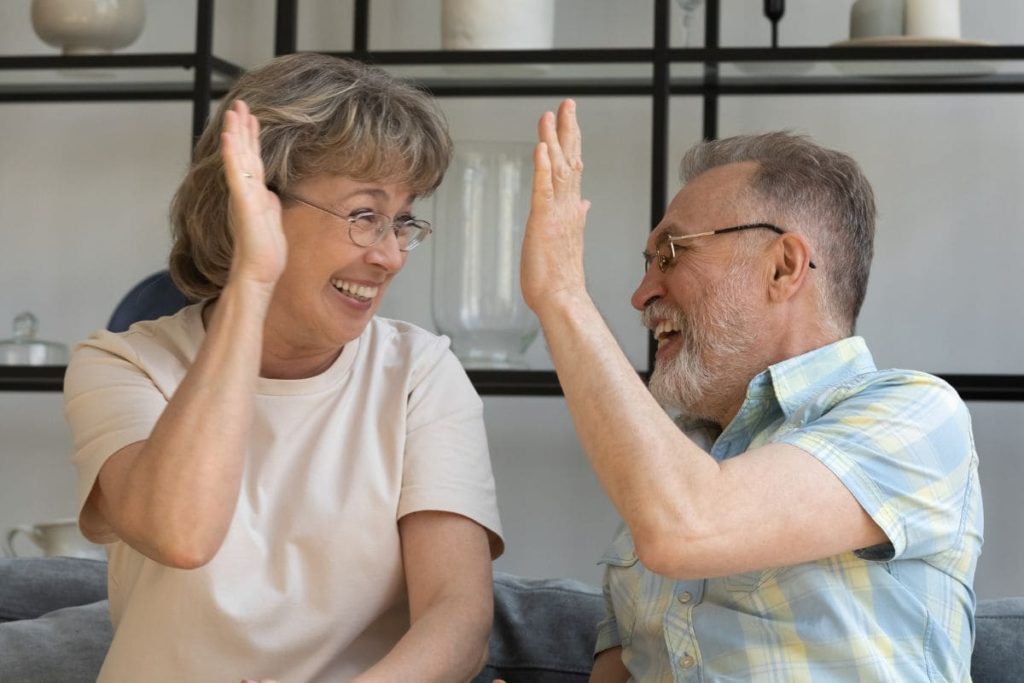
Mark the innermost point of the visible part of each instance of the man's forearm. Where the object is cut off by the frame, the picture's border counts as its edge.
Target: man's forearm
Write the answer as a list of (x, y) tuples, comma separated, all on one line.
[(648, 469)]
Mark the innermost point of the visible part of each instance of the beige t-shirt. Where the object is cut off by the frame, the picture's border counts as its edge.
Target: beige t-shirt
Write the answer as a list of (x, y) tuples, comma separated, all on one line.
[(309, 584)]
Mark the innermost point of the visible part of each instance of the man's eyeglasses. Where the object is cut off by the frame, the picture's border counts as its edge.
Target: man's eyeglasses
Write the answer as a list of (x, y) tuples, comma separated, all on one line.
[(366, 228), (665, 262)]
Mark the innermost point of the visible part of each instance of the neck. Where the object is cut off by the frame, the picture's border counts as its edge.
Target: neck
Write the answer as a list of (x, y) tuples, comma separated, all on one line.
[(296, 364), (791, 344), (284, 361)]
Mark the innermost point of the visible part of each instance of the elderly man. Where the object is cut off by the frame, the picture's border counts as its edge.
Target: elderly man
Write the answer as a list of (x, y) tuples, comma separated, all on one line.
[(806, 517)]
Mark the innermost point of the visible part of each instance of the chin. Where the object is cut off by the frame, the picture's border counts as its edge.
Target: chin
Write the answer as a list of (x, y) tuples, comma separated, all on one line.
[(680, 385)]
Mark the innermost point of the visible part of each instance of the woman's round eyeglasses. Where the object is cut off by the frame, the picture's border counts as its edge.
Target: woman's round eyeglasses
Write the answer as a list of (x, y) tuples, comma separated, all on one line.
[(366, 228)]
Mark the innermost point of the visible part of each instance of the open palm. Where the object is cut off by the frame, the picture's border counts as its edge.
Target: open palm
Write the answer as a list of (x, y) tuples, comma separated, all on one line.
[(260, 250)]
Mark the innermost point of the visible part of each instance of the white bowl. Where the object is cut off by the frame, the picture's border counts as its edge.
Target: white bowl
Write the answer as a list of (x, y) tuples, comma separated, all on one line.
[(88, 27)]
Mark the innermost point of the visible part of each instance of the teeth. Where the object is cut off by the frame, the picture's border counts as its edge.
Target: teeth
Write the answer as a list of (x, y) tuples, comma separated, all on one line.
[(356, 290), (664, 328)]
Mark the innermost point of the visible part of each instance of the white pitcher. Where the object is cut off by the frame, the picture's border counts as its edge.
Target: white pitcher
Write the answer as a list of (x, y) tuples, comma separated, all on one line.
[(59, 537)]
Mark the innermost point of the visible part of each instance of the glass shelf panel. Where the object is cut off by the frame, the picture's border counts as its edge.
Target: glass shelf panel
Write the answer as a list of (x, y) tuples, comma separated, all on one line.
[(888, 69), (163, 75), (629, 75)]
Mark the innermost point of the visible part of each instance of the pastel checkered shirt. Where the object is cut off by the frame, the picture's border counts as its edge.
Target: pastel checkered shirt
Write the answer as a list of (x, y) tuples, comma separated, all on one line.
[(901, 443)]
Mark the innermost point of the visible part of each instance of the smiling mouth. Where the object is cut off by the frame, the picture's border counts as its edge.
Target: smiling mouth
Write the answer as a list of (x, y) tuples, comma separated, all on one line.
[(355, 290), (664, 331)]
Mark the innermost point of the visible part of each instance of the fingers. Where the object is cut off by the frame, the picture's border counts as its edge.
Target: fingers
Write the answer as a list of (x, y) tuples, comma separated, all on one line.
[(549, 135), (562, 137), (541, 172), (569, 133), (240, 147)]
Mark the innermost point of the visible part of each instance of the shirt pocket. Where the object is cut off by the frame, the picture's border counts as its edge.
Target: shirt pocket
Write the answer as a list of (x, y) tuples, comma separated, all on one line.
[(748, 582), (623, 575)]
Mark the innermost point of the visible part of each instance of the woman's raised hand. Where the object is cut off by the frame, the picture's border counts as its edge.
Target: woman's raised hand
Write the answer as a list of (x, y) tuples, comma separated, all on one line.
[(260, 249)]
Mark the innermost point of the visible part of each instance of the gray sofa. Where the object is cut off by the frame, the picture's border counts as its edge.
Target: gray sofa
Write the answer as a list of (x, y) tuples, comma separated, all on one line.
[(54, 627)]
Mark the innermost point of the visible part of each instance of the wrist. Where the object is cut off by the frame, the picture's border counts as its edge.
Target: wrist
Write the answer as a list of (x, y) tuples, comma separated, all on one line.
[(559, 304), (247, 290)]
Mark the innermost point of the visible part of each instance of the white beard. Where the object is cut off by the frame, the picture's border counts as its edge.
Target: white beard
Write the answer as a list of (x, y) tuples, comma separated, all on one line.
[(702, 378)]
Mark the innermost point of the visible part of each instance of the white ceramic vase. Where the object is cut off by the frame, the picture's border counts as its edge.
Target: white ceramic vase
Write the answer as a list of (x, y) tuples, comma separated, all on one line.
[(88, 27), (497, 24), (876, 19)]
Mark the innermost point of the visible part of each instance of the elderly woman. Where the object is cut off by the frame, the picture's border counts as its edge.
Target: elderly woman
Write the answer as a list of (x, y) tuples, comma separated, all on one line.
[(288, 486)]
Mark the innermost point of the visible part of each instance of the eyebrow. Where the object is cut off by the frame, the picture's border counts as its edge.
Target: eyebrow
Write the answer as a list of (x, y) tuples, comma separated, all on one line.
[(663, 234), (376, 193)]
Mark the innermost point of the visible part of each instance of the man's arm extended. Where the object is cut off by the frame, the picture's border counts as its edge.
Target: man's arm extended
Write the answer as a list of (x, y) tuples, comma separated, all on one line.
[(690, 517)]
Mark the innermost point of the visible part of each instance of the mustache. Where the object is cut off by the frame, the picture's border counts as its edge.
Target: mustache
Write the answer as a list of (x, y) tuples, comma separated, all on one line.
[(662, 310)]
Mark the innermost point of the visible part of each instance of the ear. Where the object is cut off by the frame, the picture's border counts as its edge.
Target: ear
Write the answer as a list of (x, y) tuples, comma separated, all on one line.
[(790, 263)]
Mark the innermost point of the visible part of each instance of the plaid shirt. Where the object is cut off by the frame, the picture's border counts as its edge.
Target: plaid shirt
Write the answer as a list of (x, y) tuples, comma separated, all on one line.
[(901, 443)]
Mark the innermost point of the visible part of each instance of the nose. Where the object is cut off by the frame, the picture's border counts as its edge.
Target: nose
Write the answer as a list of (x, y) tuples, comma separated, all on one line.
[(386, 254), (651, 288)]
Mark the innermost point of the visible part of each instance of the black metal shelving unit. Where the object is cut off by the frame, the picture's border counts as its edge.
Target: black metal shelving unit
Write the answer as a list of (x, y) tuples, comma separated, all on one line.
[(199, 89), (659, 87)]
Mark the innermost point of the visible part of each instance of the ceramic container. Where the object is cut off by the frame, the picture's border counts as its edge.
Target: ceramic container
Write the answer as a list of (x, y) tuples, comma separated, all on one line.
[(88, 27), (497, 24), (59, 537), (932, 18), (876, 19)]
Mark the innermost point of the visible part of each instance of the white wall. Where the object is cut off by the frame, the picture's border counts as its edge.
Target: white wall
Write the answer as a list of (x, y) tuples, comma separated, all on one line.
[(84, 190)]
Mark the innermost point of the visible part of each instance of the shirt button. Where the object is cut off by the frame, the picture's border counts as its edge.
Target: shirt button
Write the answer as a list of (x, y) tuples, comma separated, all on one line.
[(687, 661), (685, 597)]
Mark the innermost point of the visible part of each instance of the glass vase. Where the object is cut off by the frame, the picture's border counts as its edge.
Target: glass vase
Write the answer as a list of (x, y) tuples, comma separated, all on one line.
[(481, 209)]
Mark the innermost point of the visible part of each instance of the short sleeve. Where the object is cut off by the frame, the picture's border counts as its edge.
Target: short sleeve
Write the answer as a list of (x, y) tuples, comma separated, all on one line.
[(109, 403), (607, 628), (447, 465), (902, 445)]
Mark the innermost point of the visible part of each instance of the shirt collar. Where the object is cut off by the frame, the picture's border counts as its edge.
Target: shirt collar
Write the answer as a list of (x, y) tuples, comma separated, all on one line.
[(796, 380), (792, 383)]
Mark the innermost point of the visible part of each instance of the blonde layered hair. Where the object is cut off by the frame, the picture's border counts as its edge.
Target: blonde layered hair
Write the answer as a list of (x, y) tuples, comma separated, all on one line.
[(318, 115)]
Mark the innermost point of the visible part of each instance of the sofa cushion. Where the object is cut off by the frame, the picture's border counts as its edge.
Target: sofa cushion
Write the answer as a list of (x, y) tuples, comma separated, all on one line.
[(544, 630), (33, 586), (65, 646), (999, 641)]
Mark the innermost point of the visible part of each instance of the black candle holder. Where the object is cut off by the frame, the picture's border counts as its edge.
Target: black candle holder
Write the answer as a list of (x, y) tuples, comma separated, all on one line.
[(774, 9)]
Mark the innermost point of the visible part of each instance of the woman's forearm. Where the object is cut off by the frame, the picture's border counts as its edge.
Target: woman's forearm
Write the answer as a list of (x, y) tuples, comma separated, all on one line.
[(172, 497), (448, 643)]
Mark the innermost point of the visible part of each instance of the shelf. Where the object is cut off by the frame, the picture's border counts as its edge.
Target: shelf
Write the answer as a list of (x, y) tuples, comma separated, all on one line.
[(149, 76), (533, 382), (559, 72), (32, 378), (714, 71), (656, 73)]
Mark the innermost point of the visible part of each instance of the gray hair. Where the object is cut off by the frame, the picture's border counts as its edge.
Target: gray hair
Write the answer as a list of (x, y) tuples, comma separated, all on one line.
[(822, 190), (318, 115)]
